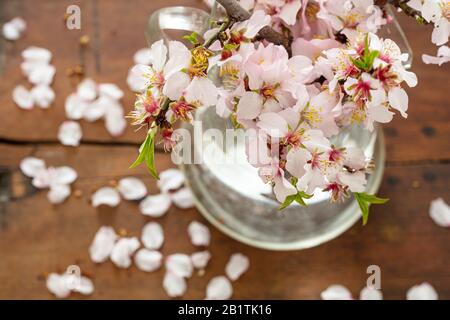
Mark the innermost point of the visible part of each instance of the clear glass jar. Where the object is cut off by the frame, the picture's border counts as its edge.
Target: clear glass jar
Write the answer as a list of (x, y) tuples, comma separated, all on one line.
[(232, 196)]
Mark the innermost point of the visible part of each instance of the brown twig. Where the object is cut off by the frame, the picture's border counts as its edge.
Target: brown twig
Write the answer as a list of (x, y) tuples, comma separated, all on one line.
[(402, 4), (236, 12)]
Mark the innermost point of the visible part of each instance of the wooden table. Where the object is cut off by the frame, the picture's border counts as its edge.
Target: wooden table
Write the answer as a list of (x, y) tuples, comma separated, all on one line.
[(37, 238)]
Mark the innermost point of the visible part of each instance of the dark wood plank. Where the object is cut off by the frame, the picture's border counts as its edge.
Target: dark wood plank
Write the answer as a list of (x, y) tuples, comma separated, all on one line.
[(37, 238)]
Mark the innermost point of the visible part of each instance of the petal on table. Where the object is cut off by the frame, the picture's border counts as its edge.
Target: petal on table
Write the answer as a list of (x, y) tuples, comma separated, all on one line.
[(106, 196), (236, 266)]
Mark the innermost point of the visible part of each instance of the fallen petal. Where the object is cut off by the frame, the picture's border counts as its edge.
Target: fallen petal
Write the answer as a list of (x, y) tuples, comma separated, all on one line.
[(87, 90), (132, 188), (370, 294), (58, 193), (422, 291), (106, 196), (30, 166), (75, 107), (57, 285), (64, 175), (174, 285), (183, 198), (199, 234), (200, 259), (180, 265), (148, 260), (69, 133), (42, 74), (156, 205), (236, 266), (114, 119), (84, 286), (440, 212), (336, 292), (110, 90), (152, 235), (19, 24), (23, 98), (43, 96), (37, 54), (219, 288), (42, 179), (123, 250), (103, 244), (11, 32), (170, 179), (96, 110)]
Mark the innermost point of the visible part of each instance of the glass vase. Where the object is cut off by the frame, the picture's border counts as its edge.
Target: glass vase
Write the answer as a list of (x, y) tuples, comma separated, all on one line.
[(232, 197)]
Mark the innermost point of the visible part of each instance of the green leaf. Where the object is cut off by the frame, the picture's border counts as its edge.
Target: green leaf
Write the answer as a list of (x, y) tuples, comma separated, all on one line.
[(192, 38), (147, 154), (150, 159), (142, 152), (298, 197), (365, 200), (287, 201)]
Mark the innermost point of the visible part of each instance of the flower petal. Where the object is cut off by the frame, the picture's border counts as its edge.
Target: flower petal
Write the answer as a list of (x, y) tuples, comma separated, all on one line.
[(57, 285), (202, 90), (87, 90), (370, 294), (43, 96), (440, 212), (96, 109), (37, 54), (123, 250), (132, 188), (183, 198), (42, 74), (58, 193), (199, 234), (180, 265), (69, 133), (84, 286), (103, 244), (273, 124), (170, 179), (75, 107), (398, 99), (200, 259), (148, 260), (422, 291), (158, 55), (296, 160), (115, 120), (219, 288), (23, 98), (336, 292), (289, 12), (30, 166), (236, 266), (249, 106), (155, 205), (64, 175), (258, 20), (174, 285), (143, 56), (110, 90), (106, 196), (152, 235), (176, 85), (11, 32)]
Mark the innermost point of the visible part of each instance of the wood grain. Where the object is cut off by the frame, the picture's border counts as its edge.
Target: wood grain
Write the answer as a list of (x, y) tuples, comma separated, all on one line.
[(37, 238)]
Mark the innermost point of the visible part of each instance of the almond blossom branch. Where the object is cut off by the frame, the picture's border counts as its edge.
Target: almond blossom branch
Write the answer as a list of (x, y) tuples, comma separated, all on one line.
[(236, 12)]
